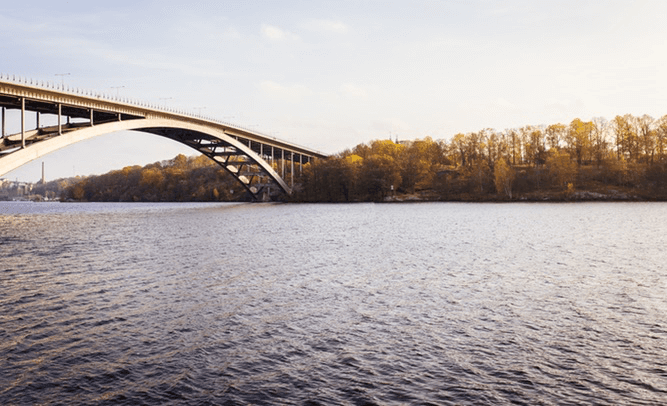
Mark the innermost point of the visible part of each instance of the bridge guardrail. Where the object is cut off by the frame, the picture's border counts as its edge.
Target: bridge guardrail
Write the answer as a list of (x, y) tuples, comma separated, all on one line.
[(75, 91)]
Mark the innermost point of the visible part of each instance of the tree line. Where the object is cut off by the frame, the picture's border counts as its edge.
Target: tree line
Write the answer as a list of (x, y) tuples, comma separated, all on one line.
[(181, 179), (617, 159), (598, 159)]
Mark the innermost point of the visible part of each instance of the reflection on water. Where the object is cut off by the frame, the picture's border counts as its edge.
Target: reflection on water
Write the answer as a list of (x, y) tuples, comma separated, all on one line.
[(333, 304)]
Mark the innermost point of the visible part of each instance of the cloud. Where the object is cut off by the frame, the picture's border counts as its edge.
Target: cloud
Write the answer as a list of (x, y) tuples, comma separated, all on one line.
[(276, 34), (326, 26)]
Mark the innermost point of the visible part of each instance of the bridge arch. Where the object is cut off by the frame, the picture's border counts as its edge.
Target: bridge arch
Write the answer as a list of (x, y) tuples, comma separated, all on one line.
[(227, 151)]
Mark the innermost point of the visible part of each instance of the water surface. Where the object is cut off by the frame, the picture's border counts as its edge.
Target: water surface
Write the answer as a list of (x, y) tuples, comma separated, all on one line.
[(425, 303)]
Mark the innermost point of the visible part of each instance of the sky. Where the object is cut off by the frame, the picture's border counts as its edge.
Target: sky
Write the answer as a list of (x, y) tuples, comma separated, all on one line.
[(333, 74)]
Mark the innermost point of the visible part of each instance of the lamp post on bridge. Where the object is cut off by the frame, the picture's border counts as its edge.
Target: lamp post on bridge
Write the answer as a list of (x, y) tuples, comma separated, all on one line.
[(117, 89), (165, 100), (62, 78)]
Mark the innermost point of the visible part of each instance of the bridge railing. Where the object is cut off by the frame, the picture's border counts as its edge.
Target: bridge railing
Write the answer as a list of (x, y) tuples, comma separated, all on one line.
[(76, 91)]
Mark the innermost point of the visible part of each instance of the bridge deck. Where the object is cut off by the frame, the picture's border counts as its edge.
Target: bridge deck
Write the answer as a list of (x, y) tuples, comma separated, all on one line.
[(247, 155), (83, 105)]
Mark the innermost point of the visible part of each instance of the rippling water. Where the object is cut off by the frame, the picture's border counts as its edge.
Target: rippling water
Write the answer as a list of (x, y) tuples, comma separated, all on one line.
[(333, 304)]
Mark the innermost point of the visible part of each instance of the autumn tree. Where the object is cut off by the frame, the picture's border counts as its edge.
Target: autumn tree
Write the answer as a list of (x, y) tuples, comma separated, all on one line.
[(554, 134), (378, 175), (332, 179), (534, 145), (661, 138), (480, 176), (646, 137), (151, 181), (496, 148), (503, 175), (626, 137), (419, 161), (600, 143), (514, 146), (578, 137), (561, 168), (460, 146)]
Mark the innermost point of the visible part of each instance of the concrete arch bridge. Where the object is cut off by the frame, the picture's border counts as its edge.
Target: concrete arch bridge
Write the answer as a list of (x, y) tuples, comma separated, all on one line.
[(264, 165)]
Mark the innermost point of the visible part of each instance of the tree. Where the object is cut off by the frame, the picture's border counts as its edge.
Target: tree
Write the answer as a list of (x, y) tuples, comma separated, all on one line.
[(555, 133), (378, 174), (386, 147), (480, 176), (460, 146), (534, 145), (661, 138), (179, 162), (514, 145), (418, 162), (78, 190), (496, 147), (646, 137), (626, 137), (561, 168), (578, 138), (600, 143), (475, 147), (503, 176), (151, 178)]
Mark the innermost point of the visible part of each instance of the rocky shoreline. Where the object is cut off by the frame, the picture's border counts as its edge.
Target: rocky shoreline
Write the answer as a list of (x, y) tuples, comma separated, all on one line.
[(577, 196)]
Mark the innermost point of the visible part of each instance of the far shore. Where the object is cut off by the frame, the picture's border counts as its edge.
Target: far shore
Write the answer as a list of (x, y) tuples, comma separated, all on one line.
[(577, 196)]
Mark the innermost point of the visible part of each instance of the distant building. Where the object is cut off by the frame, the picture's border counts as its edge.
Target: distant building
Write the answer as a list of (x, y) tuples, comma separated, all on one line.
[(22, 187)]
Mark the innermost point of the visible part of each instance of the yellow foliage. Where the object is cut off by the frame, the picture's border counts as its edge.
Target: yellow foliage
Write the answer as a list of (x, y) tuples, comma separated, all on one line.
[(386, 147), (562, 169), (151, 177), (503, 177), (353, 159)]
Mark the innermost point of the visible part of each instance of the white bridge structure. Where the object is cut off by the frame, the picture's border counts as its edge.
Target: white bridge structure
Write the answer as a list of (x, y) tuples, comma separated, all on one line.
[(259, 162)]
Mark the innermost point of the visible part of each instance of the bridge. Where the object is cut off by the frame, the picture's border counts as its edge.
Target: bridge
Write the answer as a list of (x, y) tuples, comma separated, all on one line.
[(257, 161)]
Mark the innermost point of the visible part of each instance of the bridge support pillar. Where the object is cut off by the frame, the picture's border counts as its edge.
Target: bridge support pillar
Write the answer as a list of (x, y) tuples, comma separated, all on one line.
[(37, 119), (4, 112), (283, 163), (291, 172), (60, 124), (22, 122), (91, 118)]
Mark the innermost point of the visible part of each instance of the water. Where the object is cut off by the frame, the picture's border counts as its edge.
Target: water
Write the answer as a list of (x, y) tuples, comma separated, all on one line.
[(432, 303)]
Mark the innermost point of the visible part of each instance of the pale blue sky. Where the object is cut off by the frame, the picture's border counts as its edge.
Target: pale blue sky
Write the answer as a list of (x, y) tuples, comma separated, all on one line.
[(333, 74)]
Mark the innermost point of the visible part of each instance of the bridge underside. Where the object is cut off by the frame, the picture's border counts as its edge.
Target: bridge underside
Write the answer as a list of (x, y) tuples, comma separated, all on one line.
[(254, 163), (249, 165)]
